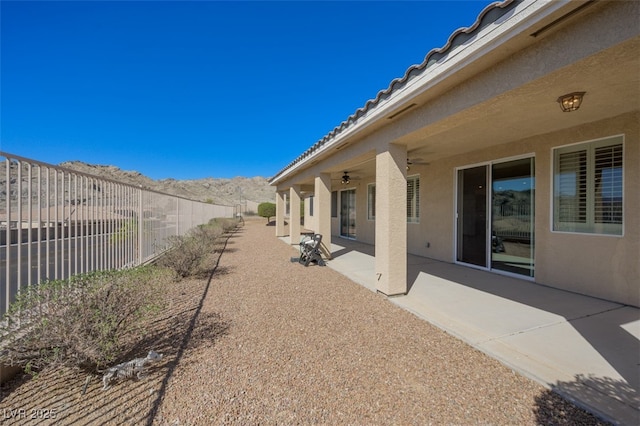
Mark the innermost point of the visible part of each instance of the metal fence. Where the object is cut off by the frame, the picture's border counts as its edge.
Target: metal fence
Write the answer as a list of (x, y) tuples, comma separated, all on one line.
[(56, 222), (513, 221)]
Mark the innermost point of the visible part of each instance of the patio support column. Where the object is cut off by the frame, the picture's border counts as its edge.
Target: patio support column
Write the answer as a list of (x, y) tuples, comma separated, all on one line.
[(294, 214), (280, 231), (323, 210), (391, 221)]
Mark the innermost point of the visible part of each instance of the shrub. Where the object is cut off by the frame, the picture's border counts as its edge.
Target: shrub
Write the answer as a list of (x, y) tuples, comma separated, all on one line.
[(267, 210), (226, 223), (188, 252), (87, 322)]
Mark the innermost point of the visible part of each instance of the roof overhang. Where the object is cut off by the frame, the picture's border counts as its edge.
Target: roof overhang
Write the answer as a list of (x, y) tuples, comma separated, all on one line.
[(492, 39)]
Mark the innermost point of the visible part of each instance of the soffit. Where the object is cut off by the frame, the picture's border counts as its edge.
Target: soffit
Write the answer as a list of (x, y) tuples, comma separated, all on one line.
[(496, 120), (531, 109)]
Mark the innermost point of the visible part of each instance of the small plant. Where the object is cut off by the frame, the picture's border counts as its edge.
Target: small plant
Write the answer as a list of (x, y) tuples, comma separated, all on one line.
[(87, 322), (267, 210)]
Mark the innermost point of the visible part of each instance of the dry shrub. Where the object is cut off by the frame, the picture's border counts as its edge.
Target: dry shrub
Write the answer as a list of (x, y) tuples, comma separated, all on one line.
[(87, 322), (188, 252), (227, 224)]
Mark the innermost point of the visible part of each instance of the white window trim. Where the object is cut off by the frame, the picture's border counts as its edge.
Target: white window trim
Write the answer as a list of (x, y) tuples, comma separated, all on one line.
[(369, 203), (552, 192), (416, 207)]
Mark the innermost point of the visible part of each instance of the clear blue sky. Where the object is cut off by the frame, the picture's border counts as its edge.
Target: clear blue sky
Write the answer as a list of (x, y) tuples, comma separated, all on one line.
[(198, 89)]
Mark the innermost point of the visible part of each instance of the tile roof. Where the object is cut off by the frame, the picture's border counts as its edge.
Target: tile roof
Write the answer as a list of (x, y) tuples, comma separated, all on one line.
[(489, 14)]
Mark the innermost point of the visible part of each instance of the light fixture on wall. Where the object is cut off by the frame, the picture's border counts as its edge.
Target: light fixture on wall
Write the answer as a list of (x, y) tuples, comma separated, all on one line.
[(571, 101), (345, 178)]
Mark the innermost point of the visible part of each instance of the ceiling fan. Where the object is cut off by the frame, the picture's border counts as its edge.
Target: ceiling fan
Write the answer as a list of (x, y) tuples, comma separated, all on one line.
[(346, 178), (417, 161)]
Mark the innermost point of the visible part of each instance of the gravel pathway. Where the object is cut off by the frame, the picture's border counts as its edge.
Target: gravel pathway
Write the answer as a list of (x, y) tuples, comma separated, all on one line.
[(266, 341), (308, 346)]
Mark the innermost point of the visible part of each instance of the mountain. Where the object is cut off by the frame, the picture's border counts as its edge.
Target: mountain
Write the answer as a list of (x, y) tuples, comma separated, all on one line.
[(217, 190)]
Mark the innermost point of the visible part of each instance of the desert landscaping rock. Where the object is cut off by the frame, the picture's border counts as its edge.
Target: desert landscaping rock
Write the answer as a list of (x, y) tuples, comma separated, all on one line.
[(267, 341)]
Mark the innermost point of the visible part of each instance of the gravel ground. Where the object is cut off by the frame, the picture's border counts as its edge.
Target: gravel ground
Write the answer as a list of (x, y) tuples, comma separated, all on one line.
[(267, 341)]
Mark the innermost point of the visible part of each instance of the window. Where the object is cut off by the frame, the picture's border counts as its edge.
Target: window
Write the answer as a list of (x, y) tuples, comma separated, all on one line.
[(587, 187), (334, 204), (413, 199), (311, 205), (371, 201)]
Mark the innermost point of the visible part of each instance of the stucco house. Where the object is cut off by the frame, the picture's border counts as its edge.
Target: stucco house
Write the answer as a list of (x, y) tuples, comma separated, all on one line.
[(515, 148)]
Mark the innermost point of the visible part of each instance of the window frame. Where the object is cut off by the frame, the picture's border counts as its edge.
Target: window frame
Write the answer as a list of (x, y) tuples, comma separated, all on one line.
[(414, 203), (590, 226), (371, 204)]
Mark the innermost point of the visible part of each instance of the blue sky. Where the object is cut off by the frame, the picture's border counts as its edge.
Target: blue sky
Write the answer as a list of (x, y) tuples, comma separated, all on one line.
[(199, 89)]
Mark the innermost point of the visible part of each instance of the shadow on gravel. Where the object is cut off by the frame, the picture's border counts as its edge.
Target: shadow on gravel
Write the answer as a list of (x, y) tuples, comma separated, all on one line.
[(552, 410), (210, 328), (65, 394)]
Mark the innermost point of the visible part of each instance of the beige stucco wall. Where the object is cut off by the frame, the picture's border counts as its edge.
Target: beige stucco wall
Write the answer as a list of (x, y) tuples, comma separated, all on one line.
[(601, 266), (597, 265)]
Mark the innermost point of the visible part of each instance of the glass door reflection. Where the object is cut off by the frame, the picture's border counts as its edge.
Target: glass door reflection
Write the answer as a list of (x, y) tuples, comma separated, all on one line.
[(512, 216)]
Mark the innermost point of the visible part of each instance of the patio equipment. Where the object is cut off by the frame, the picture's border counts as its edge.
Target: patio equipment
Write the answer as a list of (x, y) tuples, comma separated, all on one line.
[(310, 250)]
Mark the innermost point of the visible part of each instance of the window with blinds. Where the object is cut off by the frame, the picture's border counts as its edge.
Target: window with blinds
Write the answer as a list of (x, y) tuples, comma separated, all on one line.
[(572, 187), (413, 199), (334, 204), (371, 201), (588, 187), (608, 184)]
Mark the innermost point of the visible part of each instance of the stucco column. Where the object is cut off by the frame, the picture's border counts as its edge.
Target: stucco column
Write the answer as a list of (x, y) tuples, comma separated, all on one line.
[(391, 221), (280, 231), (323, 210), (294, 214)]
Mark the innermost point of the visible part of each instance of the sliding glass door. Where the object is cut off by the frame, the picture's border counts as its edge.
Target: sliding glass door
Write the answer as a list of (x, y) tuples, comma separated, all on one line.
[(512, 208), (348, 213), (495, 216)]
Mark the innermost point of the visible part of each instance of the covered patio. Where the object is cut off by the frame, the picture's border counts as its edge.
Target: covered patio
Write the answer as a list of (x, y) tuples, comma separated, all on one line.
[(423, 168)]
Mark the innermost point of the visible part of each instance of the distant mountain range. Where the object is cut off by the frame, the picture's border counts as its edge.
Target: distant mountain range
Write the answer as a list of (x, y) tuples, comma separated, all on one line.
[(216, 190)]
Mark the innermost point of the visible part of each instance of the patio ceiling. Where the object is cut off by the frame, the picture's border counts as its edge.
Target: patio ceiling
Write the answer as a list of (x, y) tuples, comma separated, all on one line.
[(611, 80)]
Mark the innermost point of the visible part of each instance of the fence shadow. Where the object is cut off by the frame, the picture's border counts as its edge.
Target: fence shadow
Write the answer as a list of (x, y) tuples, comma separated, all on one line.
[(78, 398), (217, 328)]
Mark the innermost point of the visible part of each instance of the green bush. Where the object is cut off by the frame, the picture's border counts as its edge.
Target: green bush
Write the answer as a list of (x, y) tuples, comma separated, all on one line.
[(87, 322), (267, 210)]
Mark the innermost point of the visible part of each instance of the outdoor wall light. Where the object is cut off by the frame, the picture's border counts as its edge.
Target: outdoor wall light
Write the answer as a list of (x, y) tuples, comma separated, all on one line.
[(345, 178), (571, 101)]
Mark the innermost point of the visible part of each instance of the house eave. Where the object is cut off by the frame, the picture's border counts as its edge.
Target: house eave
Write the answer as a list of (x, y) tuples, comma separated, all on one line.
[(430, 79)]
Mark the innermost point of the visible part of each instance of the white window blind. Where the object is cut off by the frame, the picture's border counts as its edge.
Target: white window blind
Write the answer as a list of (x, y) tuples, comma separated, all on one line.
[(572, 187), (413, 199), (588, 187), (608, 184), (371, 201)]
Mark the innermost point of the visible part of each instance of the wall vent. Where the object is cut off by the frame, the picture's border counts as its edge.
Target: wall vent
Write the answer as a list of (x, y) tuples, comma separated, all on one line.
[(397, 113)]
